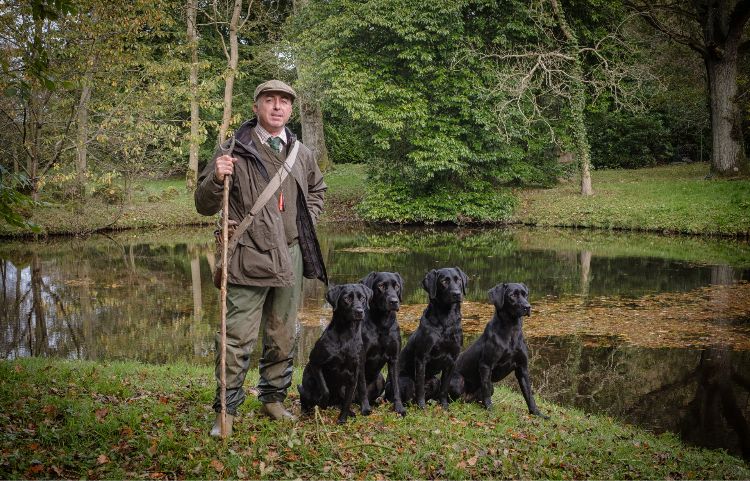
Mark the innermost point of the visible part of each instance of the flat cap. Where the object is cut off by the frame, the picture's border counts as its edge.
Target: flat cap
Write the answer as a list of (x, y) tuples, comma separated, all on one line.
[(274, 86)]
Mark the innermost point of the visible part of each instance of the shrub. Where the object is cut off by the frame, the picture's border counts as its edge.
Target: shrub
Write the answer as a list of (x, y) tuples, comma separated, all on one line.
[(170, 193), (478, 203), (628, 140)]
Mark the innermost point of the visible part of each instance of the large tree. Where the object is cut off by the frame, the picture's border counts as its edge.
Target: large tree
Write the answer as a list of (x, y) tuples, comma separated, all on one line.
[(716, 30)]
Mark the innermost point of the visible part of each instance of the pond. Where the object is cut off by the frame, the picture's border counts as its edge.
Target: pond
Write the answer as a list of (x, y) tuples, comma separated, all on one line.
[(652, 330)]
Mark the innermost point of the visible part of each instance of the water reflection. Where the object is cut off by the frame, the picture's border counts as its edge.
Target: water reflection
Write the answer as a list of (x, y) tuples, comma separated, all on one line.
[(704, 395), (149, 297)]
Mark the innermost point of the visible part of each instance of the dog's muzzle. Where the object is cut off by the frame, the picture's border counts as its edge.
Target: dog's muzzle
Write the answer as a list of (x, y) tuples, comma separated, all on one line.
[(393, 305)]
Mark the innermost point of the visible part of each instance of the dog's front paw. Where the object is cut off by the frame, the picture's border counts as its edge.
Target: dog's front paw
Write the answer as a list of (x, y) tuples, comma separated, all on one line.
[(487, 403), (421, 404), (366, 410), (444, 403), (400, 409), (346, 414)]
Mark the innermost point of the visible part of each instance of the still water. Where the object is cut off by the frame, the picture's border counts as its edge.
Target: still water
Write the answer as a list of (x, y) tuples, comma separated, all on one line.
[(148, 296)]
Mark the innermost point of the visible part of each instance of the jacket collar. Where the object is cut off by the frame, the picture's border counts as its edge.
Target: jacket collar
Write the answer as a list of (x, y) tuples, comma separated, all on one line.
[(244, 139)]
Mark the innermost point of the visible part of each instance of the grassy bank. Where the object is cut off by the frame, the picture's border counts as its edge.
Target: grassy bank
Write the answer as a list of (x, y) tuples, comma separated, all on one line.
[(673, 199), (67, 419)]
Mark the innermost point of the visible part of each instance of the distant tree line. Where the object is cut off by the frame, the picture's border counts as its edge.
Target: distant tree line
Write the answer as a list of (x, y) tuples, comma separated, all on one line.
[(443, 100)]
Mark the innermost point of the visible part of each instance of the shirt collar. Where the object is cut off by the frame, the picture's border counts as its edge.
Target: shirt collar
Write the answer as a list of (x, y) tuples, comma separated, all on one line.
[(263, 134)]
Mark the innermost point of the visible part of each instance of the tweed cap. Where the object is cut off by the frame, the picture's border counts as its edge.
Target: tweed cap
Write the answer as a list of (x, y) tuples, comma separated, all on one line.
[(274, 86)]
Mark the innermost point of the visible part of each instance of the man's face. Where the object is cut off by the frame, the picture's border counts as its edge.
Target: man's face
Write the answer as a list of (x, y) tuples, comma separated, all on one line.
[(273, 110)]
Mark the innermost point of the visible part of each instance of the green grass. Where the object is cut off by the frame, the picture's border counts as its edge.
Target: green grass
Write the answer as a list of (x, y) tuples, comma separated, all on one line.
[(75, 419), (346, 181), (674, 198)]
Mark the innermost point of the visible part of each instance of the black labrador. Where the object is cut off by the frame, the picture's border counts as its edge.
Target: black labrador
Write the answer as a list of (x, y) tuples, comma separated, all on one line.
[(498, 351), (381, 340), (434, 346), (330, 377)]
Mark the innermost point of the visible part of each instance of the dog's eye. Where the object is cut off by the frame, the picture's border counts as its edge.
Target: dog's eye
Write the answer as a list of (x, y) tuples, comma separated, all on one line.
[(445, 281), (381, 286)]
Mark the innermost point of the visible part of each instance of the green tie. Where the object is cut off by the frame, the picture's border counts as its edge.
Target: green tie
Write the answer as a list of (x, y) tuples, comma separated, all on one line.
[(275, 143)]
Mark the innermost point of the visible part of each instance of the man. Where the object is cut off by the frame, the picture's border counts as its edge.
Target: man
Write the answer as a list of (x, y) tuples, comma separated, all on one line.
[(264, 275)]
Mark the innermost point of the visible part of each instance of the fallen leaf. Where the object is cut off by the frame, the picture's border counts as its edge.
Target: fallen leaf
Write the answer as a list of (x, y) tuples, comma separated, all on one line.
[(101, 414), (18, 368), (102, 459), (472, 460), (217, 465)]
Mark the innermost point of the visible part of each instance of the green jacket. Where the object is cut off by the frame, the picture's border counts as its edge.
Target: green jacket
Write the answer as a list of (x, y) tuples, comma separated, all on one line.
[(262, 257)]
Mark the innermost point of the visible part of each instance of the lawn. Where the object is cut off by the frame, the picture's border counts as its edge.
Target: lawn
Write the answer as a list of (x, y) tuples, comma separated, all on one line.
[(669, 199), (673, 198), (79, 419)]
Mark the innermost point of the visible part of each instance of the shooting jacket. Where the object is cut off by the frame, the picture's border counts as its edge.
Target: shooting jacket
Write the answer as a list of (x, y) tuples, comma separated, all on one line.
[(262, 257)]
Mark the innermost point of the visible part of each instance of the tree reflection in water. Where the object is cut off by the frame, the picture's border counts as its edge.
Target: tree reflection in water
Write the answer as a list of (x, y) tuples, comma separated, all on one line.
[(149, 297)]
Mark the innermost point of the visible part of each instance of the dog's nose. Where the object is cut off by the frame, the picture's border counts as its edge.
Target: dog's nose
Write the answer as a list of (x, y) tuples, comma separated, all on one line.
[(393, 304), (527, 310), (359, 313), (456, 296)]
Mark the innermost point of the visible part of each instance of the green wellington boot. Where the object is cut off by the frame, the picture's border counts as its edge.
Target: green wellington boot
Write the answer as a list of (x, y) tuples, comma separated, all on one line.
[(216, 429), (276, 411)]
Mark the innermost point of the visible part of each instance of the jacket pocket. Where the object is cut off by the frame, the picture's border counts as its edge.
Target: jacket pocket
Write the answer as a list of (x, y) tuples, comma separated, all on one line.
[(262, 233), (257, 262)]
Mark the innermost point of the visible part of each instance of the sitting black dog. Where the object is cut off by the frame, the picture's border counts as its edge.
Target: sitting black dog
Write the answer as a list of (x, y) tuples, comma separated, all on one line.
[(434, 346), (330, 378), (498, 351), (381, 340)]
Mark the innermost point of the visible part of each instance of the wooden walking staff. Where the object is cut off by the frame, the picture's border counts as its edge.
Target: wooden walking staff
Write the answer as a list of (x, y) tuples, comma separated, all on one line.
[(223, 302)]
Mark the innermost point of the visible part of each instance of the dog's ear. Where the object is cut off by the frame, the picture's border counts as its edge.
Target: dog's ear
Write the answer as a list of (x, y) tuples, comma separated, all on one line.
[(429, 283), (368, 293), (400, 285), (464, 279), (333, 294), (497, 295), (368, 279)]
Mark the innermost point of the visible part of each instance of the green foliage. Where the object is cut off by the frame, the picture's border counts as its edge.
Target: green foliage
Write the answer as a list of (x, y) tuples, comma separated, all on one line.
[(401, 74), (14, 206), (629, 140), (395, 203), (170, 192)]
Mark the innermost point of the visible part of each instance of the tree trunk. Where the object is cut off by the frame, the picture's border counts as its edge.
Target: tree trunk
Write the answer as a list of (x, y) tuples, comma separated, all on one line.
[(233, 58), (581, 137), (728, 152), (192, 36), (313, 134), (578, 101), (311, 114), (83, 132)]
